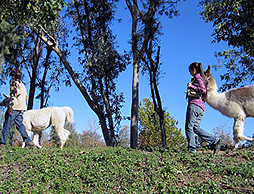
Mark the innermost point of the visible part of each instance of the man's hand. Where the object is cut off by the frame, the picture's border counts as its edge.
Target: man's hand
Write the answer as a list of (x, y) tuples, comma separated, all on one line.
[(10, 109)]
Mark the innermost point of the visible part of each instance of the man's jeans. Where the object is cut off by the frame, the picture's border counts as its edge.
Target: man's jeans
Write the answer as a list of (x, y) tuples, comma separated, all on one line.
[(17, 117), (194, 116)]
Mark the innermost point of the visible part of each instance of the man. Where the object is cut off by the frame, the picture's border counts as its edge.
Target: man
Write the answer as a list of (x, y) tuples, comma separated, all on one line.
[(15, 110)]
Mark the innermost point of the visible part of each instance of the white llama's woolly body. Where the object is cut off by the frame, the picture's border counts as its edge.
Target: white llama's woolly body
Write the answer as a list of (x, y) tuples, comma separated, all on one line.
[(235, 103), (41, 119)]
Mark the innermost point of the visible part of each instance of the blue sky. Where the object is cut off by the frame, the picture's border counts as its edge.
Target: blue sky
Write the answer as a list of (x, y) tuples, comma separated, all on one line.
[(185, 39)]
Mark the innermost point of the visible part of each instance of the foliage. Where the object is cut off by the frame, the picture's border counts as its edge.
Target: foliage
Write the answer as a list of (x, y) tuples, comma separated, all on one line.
[(145, 30), (53, 138), (225, 134), (124, 136), (10, 41), (42, 12), (26, 50), (233, 23), (91, 139), (99, 58), (45, 143), (239, 67), (123, 170), (150, 134), (73, 139), (98, 55)]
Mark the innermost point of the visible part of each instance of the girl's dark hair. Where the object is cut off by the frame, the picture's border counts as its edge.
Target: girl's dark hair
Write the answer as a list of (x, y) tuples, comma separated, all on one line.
[(16, 73), (199, 68)]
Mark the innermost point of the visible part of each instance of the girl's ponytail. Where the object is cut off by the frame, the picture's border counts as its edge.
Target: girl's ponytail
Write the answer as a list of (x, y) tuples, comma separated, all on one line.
[(199, 68), (201, 71)]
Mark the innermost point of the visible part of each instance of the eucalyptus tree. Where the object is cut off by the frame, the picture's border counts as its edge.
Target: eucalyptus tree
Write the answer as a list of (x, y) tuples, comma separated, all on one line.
[(233, 22), (100, 60), (10, 42), (98, 57), (44, 68), (20, 47), (146, 24), (151, 66)]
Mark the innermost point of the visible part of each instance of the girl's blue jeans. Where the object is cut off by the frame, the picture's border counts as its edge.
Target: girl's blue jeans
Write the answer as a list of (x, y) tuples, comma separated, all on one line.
[(17, 117), (194, 116)]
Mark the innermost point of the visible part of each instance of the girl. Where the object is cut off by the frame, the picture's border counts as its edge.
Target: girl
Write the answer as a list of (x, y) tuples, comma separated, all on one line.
[(196, 109)]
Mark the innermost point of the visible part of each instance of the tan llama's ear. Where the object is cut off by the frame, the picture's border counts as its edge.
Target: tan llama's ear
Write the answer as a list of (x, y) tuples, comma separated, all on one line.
[(208, 69)]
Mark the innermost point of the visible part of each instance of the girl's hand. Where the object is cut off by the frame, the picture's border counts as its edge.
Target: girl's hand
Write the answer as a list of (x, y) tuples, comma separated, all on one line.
[(189, 84)]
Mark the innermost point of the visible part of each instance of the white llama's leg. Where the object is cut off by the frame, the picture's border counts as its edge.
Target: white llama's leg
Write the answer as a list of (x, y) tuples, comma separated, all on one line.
[(23, 144), (36, 139), (28, 133), (63, 134), (238, 131)]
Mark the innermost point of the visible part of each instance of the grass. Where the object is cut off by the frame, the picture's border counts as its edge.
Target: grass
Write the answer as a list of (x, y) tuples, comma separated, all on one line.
[(123, 170)]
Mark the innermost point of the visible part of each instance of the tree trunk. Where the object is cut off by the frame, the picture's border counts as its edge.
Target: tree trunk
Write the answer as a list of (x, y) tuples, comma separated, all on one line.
[(135, 82), (153, 70), (134, 107), (86, 96), (36, 56), (160, 112)]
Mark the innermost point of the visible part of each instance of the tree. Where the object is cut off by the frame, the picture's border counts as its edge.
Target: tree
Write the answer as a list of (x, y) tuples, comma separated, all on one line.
[(145, 28), (149, 130), (10, 41), (27, 52), (101, 62), (124, 137), (233, 23), (54, 140), (73, 140), (225, 134), (89, 137)]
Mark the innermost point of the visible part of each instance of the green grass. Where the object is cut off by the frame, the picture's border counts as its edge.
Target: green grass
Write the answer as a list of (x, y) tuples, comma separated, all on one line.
[(122, 170)]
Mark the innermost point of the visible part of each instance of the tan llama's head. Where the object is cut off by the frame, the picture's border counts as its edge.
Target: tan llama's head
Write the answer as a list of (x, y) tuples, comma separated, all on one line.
[(209, 80)]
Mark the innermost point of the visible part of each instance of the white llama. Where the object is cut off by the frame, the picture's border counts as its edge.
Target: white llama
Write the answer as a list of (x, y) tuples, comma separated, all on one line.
[(236, 103), (40, 119)]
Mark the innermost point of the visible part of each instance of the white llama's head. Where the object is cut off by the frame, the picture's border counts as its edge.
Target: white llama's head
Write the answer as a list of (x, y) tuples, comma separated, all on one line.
[(209, 80)]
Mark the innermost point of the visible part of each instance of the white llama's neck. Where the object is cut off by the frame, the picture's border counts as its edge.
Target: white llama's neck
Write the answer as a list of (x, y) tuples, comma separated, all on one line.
[(214, 98)]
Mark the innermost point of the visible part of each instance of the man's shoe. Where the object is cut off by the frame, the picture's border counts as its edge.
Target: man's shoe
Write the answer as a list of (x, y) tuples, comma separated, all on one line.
[(2, 145), (30, 144), (217, 146)]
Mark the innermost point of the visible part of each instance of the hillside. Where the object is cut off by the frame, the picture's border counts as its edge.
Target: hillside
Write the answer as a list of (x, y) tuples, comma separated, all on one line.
[(122, 170)]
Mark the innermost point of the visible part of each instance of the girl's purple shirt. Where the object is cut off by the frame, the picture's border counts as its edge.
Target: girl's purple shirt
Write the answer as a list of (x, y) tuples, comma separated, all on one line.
[(199, 86)]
